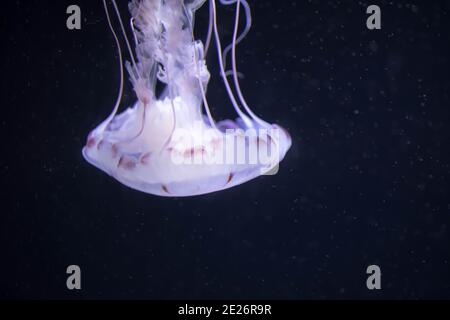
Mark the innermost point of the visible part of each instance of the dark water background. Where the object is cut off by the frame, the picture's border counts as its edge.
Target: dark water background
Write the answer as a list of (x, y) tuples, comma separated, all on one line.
[(366, 182)]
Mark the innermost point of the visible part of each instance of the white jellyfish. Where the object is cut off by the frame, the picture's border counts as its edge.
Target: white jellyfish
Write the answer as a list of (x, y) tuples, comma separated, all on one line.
[(169, 144)]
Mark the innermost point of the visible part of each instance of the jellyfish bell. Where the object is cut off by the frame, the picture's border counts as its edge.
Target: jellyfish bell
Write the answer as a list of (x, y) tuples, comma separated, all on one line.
[(165, 144)]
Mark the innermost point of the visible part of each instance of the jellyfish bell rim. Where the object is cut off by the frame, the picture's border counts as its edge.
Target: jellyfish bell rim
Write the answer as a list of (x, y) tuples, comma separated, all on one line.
[(211, 177)]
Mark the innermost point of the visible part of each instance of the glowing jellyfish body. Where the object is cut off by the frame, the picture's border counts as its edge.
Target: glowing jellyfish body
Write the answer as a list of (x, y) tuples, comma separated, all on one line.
[(165, 145)]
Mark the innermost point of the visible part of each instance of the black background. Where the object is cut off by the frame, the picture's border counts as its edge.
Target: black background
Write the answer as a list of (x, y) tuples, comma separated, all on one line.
[(365, 182)]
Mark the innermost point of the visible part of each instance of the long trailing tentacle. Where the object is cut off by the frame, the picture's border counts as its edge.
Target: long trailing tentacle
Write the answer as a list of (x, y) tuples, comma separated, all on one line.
[(119, 98), (234, 64), (248, 25), (119, 50), (233, 100), (232, 47), (124, 34)]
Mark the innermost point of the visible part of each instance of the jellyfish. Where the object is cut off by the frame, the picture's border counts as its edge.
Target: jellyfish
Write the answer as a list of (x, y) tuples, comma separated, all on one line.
[(168, 143)]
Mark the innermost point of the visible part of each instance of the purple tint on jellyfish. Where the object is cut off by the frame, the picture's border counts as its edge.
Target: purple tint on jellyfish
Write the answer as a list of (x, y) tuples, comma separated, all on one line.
[(170, 144)]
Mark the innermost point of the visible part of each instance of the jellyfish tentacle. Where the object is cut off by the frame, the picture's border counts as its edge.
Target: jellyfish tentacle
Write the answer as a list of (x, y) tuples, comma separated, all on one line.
[(248, 25), (234, 64), (125, 34), (232, 47), (139, 131), (120, 94), (210, 30), (241, 114), (105, 123)]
